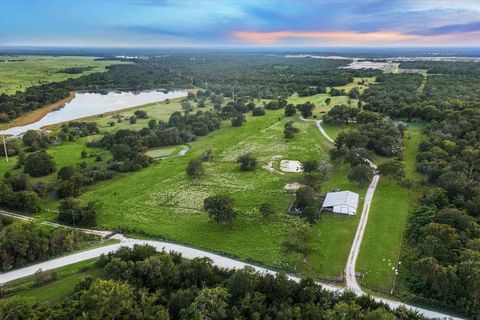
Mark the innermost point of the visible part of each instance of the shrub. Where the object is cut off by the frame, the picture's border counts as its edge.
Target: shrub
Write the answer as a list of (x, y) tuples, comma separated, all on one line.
[(247, 162), (195, 169), (266, 210), (133, 120)]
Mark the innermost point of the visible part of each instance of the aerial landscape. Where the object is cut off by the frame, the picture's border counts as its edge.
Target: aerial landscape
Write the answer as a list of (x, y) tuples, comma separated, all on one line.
[(240, 159)]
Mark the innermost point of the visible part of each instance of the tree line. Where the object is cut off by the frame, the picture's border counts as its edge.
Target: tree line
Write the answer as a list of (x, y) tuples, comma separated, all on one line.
[(141, 283)]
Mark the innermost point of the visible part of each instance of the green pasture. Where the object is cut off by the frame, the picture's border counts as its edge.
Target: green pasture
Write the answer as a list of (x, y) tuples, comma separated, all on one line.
[(36, 70)]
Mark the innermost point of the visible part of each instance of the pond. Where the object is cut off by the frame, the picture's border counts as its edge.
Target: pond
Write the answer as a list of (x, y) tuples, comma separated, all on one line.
[(90, 104)]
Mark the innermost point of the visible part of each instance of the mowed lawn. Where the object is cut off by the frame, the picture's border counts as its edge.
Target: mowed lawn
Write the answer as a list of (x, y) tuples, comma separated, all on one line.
[(392, 203), (37, 70)]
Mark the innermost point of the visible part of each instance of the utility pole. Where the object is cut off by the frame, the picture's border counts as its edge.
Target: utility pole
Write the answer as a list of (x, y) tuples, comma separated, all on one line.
[(206, 86), (192, 82), (233, 93), (5, 148)]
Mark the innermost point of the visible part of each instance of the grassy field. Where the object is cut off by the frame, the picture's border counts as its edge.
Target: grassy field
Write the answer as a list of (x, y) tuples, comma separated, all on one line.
[(36, 70), (333, 131), (161, 201), (68, 278), (165, 203), (392, 203)]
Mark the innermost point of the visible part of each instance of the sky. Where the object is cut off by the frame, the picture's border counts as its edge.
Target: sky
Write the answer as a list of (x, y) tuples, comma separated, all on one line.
[(222, 23)]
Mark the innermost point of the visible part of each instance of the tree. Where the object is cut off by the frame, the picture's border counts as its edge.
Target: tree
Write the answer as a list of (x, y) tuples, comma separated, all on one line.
[(258, 111), (31, 138), (247, 162), (220, 209), (290, 110), (65, 173), (18, 182), (83, 154), (195, 169), (108, 299), (141, 114), (306, 109), (361, 174), (210, 303), (152, 124), (305, 197), (394, 169), (289, 130), (238, 120), (133, 120), (71, 212), (267, 210), (39, 164)]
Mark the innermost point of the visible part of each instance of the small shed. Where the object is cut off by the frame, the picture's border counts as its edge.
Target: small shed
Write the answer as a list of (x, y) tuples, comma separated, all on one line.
[(341, 202)]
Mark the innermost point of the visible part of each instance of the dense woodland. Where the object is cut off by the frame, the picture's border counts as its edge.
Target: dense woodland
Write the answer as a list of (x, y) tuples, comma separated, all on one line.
[(141, 283), (257, 76), (442, 255)]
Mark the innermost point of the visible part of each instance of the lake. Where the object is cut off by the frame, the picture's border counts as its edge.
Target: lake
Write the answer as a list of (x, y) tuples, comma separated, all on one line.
[(90, 104)]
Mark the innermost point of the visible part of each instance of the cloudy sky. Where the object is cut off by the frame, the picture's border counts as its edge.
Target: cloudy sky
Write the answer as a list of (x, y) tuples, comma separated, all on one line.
[(162, 23)]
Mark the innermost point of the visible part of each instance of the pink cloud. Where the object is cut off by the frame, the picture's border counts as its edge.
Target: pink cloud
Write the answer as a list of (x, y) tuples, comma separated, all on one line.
[(354, 38)]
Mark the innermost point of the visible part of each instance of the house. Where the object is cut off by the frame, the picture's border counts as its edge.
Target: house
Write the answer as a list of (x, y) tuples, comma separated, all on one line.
[(341, 202)]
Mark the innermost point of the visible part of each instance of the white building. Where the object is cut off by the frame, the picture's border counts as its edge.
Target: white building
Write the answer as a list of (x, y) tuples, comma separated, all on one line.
[(341, 202)]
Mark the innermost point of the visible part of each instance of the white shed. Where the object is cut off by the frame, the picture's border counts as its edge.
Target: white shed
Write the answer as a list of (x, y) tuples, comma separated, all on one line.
[(341, 202)]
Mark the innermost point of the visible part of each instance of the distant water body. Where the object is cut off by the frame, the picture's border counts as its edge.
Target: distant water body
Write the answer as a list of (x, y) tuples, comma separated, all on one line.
[(90, 104)]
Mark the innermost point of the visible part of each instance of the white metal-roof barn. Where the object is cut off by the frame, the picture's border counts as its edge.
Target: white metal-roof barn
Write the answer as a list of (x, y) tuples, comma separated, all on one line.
[(341, 202)]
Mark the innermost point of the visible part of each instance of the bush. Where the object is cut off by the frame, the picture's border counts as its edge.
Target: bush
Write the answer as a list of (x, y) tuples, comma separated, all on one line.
[(39, 164), (266, 210), (289, 130), (195, 169), (133, 120), (247, 162), (290, 110), (220, 209)]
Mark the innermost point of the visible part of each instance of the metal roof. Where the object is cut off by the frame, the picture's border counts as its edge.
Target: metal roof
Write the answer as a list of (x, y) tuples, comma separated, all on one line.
[(342, 198)]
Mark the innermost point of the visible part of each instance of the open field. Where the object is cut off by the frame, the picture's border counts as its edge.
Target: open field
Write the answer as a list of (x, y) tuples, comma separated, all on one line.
[(355, 84), (36, 70), (392, 203), (160, 201), (163, 202)]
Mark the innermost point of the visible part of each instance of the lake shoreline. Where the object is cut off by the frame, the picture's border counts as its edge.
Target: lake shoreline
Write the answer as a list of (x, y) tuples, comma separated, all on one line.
[(38, 114), (82, 106)]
